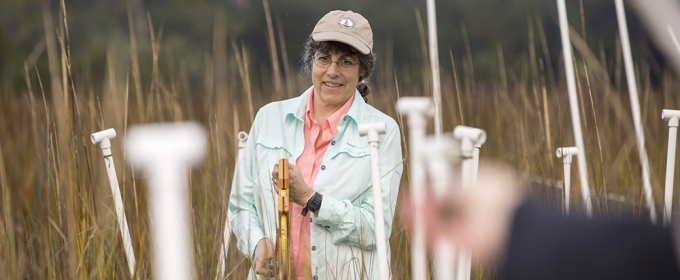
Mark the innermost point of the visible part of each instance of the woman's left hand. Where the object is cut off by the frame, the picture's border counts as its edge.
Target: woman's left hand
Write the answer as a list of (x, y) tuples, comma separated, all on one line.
[(299, 192)]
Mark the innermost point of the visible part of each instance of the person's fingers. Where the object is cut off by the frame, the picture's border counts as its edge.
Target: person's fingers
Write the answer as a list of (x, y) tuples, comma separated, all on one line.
[(261, 270), (273, 266), (275, 171), (268, 267), (275, 177), (265, 266)]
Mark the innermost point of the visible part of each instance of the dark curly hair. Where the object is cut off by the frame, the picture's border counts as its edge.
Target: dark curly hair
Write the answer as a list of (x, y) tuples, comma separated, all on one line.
[(366, 61)]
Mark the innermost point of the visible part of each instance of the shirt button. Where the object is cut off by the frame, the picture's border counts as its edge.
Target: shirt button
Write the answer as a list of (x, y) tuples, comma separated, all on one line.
[(344, 118), (315, 278), (311, 220), (323, 167), (333, 142), (313, 248)]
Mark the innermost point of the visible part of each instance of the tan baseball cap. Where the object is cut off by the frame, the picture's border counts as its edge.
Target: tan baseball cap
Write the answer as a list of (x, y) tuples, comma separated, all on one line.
[(347, 27)]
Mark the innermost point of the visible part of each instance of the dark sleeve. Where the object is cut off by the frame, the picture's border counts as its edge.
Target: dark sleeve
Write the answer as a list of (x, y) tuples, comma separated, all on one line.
[(545, 245)]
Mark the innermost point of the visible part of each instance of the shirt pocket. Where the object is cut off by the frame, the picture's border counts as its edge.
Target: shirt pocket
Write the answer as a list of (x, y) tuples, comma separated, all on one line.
[(274, 145), (353, 150)]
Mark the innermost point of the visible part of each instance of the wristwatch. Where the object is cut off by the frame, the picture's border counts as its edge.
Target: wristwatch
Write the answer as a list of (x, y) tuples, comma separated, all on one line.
[(313, 204)]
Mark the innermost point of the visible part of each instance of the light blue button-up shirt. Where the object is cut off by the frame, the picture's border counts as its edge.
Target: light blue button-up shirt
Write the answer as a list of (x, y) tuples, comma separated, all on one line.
[(342, 237)]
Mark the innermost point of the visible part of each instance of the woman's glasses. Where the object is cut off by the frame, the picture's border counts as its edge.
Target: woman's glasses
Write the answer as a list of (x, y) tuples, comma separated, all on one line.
[(343, 63)]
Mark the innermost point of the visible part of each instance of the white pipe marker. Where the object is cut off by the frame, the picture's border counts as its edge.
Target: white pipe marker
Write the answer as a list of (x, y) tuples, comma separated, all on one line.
[(573, 104), (672, 117), (165, 152), (441, 153), (226, 234), (434, 66), (635, 108), (417, 110), (471, 140), (103, 138), (373, 131), (566, 154)]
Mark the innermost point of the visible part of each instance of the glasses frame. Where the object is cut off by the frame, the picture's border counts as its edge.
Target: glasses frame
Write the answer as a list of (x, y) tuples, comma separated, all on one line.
[(352, 66)]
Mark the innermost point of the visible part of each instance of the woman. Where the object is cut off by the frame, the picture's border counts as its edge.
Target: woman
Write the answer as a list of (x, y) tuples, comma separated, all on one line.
[(332, 218)]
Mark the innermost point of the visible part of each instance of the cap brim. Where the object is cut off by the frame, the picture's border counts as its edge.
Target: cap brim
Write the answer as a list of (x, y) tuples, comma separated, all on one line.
[(343, 38)]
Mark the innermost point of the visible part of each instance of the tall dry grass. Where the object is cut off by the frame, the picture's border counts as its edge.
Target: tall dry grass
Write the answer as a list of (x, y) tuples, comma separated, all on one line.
[(58, 220)]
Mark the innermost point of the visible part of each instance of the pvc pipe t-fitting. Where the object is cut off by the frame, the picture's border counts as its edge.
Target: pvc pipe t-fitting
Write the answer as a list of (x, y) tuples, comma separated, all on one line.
[(184, 143), (671, 116), (408, 105), (470, 138), (416, 108), (372, 130), (242, 138), (103, 137), (165, 152), (476, 135), (566, 153)]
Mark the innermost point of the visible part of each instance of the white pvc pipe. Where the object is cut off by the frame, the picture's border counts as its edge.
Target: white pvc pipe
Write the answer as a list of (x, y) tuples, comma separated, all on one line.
[(471, 140), (672, 117), (226, 234), (103, 138), (567, 185), (573, 105), (635, 108), (674, 39), (165, 152), (373, 131), (566, 154), (417, 109), (434, 65), (439, 168)]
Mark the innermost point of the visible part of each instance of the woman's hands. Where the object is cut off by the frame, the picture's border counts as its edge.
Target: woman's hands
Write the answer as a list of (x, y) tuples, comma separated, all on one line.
[(298, 192)]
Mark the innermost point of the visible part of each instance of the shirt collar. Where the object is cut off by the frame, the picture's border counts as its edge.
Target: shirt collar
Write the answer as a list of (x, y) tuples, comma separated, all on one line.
[(334, 119), (356, 109)]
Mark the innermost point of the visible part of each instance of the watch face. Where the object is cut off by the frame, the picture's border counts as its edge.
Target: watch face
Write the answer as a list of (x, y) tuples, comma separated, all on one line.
[(315, 202)]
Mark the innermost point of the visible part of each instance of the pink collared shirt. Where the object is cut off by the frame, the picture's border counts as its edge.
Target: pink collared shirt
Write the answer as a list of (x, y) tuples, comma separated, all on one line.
[(309, 163)]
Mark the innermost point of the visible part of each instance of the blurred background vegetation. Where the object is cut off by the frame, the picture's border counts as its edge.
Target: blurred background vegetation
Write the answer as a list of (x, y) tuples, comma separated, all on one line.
[(466, 28)]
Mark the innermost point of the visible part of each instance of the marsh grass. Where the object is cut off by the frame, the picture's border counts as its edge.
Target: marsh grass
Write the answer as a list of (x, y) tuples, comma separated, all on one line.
[(58, 220)]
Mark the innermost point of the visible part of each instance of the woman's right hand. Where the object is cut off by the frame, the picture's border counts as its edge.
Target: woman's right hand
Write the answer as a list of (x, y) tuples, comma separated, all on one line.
[(299, 191)]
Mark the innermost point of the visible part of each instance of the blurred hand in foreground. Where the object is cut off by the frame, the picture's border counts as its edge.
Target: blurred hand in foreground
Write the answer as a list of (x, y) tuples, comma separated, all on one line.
[(476, 217)]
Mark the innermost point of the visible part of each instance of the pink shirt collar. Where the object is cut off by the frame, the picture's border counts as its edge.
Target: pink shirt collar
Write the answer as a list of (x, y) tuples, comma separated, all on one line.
[(334, 120)]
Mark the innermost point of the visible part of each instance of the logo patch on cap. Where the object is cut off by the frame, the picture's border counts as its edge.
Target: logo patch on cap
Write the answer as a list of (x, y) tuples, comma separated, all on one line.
[(346, 23)]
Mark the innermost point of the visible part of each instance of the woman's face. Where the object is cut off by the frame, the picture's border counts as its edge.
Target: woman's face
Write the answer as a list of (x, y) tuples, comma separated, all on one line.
[(335, 77)]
